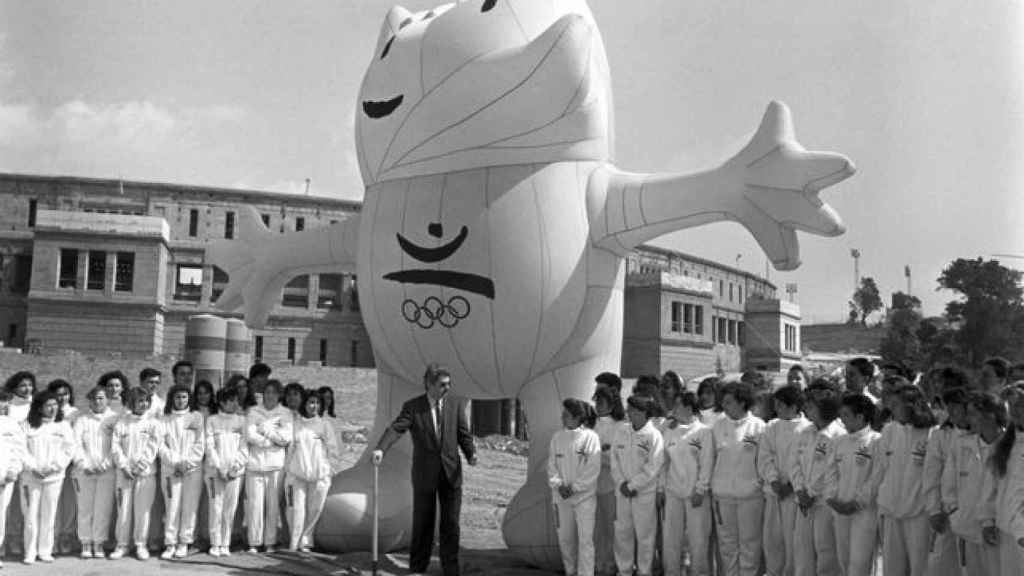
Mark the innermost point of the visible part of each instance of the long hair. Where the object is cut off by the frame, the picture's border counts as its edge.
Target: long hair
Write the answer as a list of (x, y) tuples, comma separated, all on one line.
[(613, 398), (35, 411), (16, 379), (1001, 452), (55, 385), (306, 396), (581, 411), (169, 405), (921, 415), (326, 392), (105, 379), (249, 398), (194, 400)]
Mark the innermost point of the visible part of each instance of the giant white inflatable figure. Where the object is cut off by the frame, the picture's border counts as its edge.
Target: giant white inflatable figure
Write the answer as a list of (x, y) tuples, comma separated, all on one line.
[(494, 230)]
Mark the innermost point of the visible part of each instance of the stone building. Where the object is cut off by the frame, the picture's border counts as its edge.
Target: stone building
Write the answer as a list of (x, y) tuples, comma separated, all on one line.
[(105, 266)]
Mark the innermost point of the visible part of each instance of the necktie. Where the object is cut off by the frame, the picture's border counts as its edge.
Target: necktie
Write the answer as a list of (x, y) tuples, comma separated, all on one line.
[(440, 421)]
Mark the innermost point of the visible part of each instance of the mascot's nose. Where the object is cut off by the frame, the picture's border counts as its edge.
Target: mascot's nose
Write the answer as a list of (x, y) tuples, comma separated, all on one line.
[(435, 229)]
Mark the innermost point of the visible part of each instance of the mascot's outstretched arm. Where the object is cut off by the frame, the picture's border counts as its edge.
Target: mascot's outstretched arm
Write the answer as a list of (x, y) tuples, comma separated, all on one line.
[(260, 262), (770, 187)]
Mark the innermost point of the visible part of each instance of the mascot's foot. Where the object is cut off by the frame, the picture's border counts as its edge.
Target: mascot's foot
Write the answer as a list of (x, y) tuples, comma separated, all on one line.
[(529, 527), (347, 521)]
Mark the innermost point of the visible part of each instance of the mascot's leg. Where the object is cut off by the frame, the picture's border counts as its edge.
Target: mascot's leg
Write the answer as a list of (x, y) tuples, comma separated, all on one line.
[(347, 520), (529, 526)]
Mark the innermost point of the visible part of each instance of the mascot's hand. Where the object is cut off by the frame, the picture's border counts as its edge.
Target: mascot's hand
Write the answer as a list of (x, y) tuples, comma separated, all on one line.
[(378, 457)]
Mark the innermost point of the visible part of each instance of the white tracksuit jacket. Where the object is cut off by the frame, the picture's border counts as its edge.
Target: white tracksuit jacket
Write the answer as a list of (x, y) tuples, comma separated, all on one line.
[(263, 428), (314, 453), (637, 457), (226, 448), (811, 466), (49, 449), (183, 442), (851, 461), (962, 480), (1002, 502), (776, 455), (899, 473), (574, 460), (606, 429), (939, 443), (736, 445), (12, 449), (689, 459), (94, 434), (136, 443)]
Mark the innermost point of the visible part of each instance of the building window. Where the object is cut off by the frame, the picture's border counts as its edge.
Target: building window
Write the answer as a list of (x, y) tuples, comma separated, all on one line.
[(22, 274), (296, 292), (323, 351), (732, 331), (730, 291), (189, 285), (739, 291), (353, 352), (721, 288), (698, 320), (12, 333), (688, 318), (220, 282), (291, 350), (33, 207), (68, 275), (714, 328), (741, 338), (229, 225), (300, 224), (124, 272), (193, 223), (353, 299), (722, 330), (677, 317), (258, 348), (266, 219), (96, 271), (790, 338), (329, 294)]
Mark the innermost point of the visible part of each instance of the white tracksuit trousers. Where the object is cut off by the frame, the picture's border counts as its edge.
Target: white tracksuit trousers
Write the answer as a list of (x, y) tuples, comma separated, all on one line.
[(39, 506), (576, 533), (905, 545), (95, 495), (739, 523), (263, 506), (5, 501), (1011, 555), (779, 530), (635, 530), (223, 497), (682, 520), (305, 504), (944, 555), (604, 534), (815, 551), (857, 541), (181, 503), (977, 559), (134, 507)]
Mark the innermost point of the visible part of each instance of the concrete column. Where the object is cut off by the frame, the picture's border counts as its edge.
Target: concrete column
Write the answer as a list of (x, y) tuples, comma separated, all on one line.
[(313, 292), (83, 269), (110, 275), (207, 290)]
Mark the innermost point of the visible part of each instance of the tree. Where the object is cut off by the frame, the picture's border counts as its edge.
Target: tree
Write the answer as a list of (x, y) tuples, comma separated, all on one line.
[(989, 313), (867, 299), (902, 342)]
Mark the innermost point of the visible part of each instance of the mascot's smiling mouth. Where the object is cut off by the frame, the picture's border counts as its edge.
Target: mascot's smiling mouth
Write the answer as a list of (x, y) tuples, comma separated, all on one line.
[(381, 108), (458, 280)]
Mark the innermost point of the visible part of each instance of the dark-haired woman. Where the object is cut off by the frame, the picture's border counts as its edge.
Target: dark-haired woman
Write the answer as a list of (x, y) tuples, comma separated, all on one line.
[(22, 386), (49, 445), (1001, 510), (181, 472), (610, 416), (574, 462), (313, 458)]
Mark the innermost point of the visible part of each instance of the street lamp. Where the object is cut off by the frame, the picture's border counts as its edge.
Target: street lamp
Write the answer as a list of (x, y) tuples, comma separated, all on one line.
[(855, 254)]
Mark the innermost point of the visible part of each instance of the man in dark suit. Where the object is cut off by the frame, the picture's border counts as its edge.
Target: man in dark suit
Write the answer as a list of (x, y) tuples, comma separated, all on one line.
[(439, 429)]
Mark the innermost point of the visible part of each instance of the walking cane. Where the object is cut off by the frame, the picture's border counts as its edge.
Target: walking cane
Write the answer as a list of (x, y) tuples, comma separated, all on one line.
[(376, 468)]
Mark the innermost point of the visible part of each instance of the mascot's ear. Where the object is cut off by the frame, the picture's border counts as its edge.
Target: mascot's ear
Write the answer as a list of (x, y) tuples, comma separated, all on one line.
[(392, 23)]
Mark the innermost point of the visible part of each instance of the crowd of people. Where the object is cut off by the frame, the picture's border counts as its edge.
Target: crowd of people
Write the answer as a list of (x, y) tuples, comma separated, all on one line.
[(818, 477), (88, 475)]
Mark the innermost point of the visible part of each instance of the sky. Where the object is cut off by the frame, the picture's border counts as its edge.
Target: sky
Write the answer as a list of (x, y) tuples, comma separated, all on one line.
[(927, 99)]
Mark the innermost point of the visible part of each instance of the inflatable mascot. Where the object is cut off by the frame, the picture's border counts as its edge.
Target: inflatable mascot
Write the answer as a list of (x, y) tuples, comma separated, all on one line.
[(494, 231)]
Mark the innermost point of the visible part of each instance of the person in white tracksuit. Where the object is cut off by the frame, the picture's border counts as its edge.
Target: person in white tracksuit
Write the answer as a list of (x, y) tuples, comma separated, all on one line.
[(49, 446), (134, 447), (268, 432), (815, 552), (1001, 508), (226, 455), (964, 474), (689, 459), (610, 417), (181, 470), (899, 474), (775, 460), (94, 473), (637, 458), (849, 492), (114, 382), (314, 457), (574, 463), (12, 458), (943, 556), (735, 483)]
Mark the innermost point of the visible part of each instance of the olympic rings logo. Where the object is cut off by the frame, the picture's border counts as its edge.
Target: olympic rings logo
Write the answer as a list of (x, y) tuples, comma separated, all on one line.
[(433, 311)]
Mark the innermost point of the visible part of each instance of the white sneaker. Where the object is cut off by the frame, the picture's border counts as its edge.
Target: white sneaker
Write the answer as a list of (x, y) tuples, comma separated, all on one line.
[(214, 550), (181, 551), (271, 549), (252, 550), (225, 551), (28, 560), (168, 553), (141, 552), (86, 551), (46, 559), (118, 553), (97, 551)]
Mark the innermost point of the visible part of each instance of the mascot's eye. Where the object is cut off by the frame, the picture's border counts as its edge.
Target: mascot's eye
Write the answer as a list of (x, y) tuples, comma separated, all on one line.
[(387, 47), (488, 4)]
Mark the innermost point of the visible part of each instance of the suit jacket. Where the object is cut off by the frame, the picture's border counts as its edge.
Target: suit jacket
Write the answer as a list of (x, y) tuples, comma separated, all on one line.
[(430, 457)]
